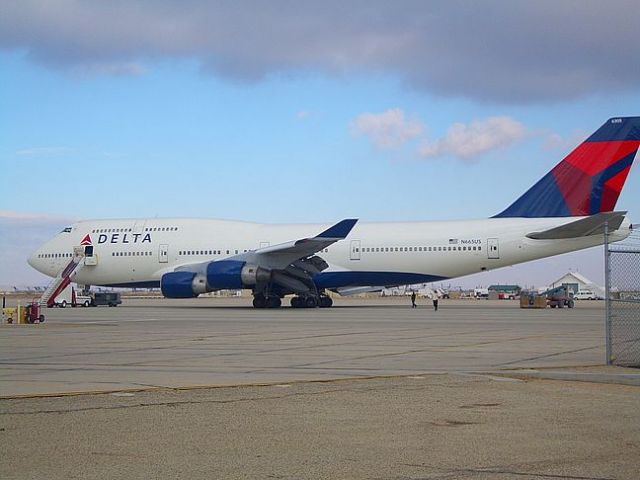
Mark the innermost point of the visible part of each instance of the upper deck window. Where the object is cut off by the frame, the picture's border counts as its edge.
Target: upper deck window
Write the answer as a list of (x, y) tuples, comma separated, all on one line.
[(66, 230)]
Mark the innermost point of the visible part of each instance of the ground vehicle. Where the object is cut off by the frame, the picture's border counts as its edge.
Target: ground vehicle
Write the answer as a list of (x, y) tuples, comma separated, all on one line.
[(33, 313), (83, 300), (559, 297), (481, 292), (69, 297), (110, 299), (585, 295)]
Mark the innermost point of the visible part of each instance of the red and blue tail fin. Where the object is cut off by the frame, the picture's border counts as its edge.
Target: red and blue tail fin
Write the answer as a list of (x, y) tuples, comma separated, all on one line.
[(589, 180)]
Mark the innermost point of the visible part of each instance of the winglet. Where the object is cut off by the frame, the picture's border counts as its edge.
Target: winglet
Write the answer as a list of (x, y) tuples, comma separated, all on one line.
[(339, 230)]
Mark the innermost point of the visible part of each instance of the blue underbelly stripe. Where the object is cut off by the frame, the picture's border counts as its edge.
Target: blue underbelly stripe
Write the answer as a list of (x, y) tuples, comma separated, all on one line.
[(335, 280)]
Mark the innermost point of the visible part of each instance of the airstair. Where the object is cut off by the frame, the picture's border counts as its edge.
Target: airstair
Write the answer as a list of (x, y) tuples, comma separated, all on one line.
[(62, 281)]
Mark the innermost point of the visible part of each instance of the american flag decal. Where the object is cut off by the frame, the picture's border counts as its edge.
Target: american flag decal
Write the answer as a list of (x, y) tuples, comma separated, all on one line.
[(453, 241)]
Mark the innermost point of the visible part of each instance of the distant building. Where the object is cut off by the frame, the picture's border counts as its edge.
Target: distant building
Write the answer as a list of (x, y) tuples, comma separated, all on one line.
[(578, 283)]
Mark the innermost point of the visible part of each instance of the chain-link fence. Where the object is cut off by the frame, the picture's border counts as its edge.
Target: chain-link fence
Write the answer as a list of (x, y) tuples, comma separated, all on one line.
[(623, 302)]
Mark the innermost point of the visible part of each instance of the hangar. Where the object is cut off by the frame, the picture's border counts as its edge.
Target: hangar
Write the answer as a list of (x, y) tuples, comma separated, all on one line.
[(578, 283)]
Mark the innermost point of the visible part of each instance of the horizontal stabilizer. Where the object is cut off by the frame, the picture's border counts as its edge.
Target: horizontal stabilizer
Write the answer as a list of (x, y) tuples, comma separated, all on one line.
[(593, 225)]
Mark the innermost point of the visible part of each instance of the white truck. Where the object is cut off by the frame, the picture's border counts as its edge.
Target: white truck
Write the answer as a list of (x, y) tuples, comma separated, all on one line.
[(70, 298), (585, 295)]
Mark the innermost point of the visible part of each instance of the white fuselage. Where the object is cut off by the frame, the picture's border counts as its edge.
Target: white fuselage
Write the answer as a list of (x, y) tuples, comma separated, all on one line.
[(137, 252)]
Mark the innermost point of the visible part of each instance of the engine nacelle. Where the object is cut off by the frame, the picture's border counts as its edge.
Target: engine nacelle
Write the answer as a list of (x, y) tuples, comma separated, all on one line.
[(178, 285), (225, 275), (220, 275), (252, 275)]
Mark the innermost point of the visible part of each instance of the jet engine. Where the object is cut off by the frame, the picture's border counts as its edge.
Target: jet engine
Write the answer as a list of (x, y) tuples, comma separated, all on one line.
[(217, 275)]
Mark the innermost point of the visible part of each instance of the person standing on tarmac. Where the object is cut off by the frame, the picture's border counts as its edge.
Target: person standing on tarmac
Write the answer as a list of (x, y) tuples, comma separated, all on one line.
[(434, 297), (413, 300)]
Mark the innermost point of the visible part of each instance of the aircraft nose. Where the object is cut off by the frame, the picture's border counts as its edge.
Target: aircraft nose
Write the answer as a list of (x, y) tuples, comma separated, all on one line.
[(33, 260)]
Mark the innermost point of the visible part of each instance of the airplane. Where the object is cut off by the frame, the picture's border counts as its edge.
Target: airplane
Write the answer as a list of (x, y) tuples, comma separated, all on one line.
[(567, 210)]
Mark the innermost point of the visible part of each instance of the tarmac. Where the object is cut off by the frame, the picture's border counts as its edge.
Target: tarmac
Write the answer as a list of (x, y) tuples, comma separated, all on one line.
[(212, 388)]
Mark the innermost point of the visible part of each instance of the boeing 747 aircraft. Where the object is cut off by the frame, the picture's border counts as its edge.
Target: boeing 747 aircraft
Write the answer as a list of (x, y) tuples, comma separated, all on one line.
[(566, 210)]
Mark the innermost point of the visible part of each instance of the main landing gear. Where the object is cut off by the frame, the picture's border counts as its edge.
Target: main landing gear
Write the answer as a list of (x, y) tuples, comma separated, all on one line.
[(310, 301), (323, 301), (260, 301)]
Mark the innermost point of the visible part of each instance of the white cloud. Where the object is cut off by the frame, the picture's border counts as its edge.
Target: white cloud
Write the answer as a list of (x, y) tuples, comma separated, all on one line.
[(117, 69), (44, 151), (467, 142), (303, 115), (387, 130), (532, 54), (556, 142), (11, 215)]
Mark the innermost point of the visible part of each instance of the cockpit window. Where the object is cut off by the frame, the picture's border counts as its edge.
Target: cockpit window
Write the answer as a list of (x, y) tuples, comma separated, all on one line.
[(66, 230)]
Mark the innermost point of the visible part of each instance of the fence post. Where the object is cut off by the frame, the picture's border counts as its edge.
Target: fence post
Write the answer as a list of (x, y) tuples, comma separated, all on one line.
[(607, 293)]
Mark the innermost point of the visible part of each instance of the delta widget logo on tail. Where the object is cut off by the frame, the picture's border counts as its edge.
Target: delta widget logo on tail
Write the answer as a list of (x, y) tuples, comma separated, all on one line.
[(86, 241)]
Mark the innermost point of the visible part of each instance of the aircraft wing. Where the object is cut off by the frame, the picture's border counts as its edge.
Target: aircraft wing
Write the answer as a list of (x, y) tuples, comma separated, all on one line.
[(285, 255), (592, 225)]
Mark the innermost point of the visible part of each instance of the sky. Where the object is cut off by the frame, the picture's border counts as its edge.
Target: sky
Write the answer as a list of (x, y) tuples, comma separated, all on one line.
[(299, 111)]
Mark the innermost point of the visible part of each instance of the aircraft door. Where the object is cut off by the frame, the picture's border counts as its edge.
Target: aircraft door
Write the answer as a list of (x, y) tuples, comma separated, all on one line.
[(163, 254), (355, 250), (493, 250), (138, 226)]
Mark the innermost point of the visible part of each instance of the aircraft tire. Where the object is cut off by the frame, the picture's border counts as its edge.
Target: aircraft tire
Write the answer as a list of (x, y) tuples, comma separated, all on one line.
[(311, 302), (326, 302), (259, 301), (296, 302), (274, 302)]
